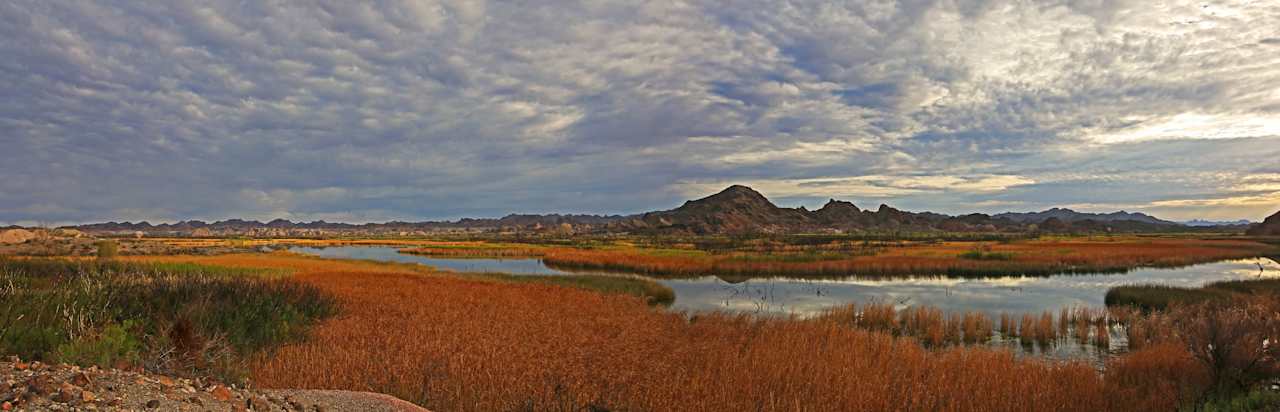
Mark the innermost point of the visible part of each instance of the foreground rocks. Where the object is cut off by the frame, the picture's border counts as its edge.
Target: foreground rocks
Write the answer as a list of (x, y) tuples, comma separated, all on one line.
[(34, 386)]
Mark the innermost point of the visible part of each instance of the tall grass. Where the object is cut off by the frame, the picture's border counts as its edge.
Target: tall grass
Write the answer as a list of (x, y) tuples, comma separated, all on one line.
[(1034, 258), (1232, 341), (475, 250), (177, 318), (460, 345), (652, 292), (1159, 297), (928, 325)]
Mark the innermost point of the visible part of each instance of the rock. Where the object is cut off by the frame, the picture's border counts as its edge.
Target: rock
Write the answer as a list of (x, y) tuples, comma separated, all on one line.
[(12, 236), (196, 401), (221, 393), (152, 404), (67, 393), (81, 379), (297, 406), (40, 385), (257, 403), (71, 233)]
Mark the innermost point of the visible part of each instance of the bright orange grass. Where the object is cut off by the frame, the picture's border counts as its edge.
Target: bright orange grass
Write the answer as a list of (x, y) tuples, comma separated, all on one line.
[(454, 344)]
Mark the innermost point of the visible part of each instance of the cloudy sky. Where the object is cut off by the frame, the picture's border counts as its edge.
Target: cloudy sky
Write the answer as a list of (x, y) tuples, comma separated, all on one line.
[(435, 109)]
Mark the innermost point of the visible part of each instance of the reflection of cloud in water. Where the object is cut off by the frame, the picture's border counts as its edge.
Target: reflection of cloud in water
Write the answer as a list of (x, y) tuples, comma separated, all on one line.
[(993, 295), (1014, 294)]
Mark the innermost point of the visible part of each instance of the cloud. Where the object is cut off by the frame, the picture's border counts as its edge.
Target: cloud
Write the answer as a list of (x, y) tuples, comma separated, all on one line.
[(423, 109)]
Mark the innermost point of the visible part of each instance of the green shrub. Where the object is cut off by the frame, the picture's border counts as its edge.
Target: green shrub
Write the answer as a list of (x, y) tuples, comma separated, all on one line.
[(108, 249), (1257, 400), (983, 255), (103, 312), (116, 343)]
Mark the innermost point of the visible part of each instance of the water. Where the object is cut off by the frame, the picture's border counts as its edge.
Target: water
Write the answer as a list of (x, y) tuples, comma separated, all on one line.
[(1014, 295)]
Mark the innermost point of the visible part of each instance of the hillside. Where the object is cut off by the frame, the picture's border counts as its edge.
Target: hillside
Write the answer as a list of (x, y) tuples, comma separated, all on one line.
[(1268, 227), (737, 209), (1068, 215)]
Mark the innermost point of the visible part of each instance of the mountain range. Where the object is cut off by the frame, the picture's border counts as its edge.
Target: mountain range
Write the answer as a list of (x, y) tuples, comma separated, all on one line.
[(735, 210), (1068, 215)]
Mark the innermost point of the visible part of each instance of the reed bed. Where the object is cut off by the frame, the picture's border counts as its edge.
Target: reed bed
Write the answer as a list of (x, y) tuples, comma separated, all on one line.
[(459, 345), (1032, 258), (476, 250), (173, 318)]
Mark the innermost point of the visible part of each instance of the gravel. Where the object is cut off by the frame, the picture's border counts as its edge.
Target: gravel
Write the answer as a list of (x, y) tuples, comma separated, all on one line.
[(35, 386)]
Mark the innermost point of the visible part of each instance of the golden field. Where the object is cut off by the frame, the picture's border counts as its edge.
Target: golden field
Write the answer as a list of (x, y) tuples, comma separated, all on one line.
[(456, 344)]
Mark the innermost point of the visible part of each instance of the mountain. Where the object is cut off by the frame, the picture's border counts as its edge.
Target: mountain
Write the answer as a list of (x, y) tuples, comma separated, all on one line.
[(1269, 227), (740, 210), (1070, 216), (737, 209), (1206, 223)]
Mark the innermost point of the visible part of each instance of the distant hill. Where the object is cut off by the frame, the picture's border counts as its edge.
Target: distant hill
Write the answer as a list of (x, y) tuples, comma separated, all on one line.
[(1068, 215), (1205, 223), (739, 209), (735, 210), (1269, 227)]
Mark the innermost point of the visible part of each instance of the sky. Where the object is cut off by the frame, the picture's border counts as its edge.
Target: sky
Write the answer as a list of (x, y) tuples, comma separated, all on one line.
[(367, 111)]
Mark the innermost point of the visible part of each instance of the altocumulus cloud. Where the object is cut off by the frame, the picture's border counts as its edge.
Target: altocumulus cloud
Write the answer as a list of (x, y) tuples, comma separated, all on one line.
[(414, 109)]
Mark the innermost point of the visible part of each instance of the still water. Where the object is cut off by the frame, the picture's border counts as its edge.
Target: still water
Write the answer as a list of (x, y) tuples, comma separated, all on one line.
[(1014, 295)]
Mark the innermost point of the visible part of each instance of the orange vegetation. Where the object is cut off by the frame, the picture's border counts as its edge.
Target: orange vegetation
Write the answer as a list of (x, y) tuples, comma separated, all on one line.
[(475, 250), (457, 344), (212, 242), (453, 344), (1040, 257)]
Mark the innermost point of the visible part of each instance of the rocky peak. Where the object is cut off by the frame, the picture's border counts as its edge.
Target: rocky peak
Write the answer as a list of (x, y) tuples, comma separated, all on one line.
[(733, 197)]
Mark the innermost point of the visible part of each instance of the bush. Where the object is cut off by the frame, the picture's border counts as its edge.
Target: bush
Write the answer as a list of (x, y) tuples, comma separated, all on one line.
[(169, 317), (1257, 400), (1165, 377), (108, 249), (981, 255), (1233, 341), (115, 344)]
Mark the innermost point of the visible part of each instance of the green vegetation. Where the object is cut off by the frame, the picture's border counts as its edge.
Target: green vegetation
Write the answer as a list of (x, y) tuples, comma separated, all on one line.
[(653, 292), (981, 255), (1159, 297), (1257, 400), (173, 318), (108, 249)]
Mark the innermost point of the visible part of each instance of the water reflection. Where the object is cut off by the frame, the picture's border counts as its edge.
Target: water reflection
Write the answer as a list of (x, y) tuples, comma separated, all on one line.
[(803, 297), (994, 295)]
